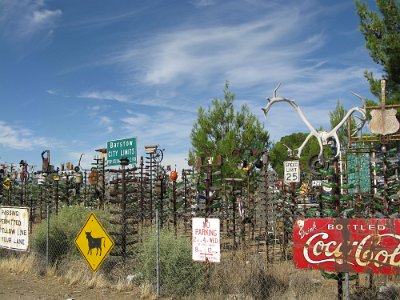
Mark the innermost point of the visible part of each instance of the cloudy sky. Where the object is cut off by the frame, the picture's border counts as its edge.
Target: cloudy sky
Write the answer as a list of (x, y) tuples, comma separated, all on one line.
[(76, 74)]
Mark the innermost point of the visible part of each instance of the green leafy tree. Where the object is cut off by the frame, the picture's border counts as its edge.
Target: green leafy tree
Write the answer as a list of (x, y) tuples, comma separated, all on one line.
[(335, 117), (219, 130), (280, 152), (382, 36)]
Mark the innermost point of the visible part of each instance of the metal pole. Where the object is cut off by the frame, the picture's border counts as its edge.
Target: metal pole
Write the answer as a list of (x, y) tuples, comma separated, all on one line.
[(151, 188), (47, 236), (174, 207), (158, 254), (103, 189), (123, 210), (346, 275), (57, 196)]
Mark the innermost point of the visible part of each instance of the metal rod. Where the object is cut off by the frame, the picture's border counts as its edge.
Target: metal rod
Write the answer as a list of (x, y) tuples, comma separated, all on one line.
[(158, 253), (47, 236)]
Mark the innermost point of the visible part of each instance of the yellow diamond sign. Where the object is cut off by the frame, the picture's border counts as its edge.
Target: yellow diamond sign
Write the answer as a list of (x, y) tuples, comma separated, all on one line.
[(94, 242)]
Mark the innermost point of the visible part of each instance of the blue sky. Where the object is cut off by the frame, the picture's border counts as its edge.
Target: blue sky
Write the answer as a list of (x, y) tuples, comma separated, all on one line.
[(76, 74)]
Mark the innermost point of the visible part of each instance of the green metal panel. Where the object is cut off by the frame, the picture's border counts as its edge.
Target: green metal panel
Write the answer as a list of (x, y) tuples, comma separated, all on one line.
[(118, 149), (359, 173)]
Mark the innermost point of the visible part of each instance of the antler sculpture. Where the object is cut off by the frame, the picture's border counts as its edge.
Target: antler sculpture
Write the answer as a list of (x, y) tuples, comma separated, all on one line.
[(322, 136)]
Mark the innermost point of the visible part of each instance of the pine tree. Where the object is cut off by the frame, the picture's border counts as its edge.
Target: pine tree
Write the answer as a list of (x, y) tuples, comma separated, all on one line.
[(382, 36), (219, 130)]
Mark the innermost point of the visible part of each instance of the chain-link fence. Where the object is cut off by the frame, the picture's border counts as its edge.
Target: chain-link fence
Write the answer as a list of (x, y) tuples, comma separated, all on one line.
[(256, 215)]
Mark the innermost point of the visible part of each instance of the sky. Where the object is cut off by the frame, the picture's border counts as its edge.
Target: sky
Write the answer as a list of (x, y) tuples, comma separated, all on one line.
[(75, 74)]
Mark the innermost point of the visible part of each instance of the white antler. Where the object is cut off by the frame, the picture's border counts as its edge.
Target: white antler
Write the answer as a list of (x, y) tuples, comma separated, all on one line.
[(322, 136)]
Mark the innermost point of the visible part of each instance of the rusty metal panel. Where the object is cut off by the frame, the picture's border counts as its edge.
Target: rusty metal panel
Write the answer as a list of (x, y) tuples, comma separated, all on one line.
[(347, 245)]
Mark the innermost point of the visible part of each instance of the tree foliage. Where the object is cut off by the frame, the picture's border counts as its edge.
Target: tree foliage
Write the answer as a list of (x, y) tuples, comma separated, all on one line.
[(382, 36), (219, 130), (335, 117), (280, 153)]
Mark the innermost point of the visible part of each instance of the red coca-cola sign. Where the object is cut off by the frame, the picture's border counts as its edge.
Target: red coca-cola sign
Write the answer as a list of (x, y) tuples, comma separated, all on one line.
[(347, 245)]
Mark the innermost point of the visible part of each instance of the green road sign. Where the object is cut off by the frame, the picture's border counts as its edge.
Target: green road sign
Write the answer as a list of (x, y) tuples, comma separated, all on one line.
[(118, 149)]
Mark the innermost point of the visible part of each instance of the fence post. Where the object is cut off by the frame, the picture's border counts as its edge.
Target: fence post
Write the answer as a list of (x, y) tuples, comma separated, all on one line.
[(158, 253), (47, 236)]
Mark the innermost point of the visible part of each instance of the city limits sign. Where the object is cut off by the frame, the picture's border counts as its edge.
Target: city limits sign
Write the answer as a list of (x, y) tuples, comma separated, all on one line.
[(118, 149), (347, 245)]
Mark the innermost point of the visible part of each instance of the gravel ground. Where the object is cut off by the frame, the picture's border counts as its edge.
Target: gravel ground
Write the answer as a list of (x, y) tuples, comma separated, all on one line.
[(31, 286)]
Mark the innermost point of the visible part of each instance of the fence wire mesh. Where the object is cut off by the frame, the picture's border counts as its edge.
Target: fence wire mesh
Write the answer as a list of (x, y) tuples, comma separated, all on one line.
[(256, 219)]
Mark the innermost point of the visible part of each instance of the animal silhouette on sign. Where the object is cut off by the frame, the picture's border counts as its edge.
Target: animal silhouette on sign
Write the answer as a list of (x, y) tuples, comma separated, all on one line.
[(94, 243)]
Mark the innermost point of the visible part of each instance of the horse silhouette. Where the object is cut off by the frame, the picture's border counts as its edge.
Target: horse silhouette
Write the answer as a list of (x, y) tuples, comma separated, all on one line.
[(94, 243)]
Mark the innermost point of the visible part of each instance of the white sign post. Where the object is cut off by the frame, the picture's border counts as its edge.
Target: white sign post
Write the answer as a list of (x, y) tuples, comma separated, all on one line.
[(14, 228), (292, 171), (206, 240)]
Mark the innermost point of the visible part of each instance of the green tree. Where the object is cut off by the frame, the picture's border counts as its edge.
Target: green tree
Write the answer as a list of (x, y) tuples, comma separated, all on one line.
[(219, 130), (382, 36), (335, 117), (280, 152)]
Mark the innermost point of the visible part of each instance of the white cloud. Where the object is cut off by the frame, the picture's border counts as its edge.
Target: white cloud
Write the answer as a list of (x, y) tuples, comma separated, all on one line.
[(20, 138), (255, 48), (164, 127), (44, 17), (106, 121), (280, 44), (22, 19), (203, 3), (51, 92), (123, 98), (106, 95)]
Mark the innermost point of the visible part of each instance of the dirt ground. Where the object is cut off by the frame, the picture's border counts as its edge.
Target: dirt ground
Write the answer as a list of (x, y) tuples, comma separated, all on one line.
[(25, 286)]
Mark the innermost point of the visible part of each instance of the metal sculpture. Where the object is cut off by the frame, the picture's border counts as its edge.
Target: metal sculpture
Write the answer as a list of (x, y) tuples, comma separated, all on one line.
[(323, 137)]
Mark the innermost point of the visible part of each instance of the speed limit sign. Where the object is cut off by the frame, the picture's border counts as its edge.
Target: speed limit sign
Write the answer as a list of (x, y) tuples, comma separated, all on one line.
[(292, 171)]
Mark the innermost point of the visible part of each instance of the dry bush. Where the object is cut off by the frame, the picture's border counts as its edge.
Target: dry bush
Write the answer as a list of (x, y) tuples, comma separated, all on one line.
[(19, 264), (241, 276), (147, 291), (67, 271)]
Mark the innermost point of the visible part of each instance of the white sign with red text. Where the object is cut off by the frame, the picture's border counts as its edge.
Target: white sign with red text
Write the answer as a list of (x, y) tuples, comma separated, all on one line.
[(206, 240)]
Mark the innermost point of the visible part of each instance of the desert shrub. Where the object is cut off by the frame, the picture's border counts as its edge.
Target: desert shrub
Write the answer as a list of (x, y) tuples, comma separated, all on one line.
[(63, 229), (180, 276), (241, 275)]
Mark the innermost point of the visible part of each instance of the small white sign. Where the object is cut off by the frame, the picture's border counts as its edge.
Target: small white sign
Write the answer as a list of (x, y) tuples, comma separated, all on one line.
[(316, 183), (292, 171), (206, 240), (14, 228)]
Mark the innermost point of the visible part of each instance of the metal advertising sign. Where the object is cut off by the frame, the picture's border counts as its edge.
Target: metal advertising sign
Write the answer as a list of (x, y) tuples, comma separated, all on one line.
[(118, 149), (347, 245), (292, 171), (14, 228), (206, 240)]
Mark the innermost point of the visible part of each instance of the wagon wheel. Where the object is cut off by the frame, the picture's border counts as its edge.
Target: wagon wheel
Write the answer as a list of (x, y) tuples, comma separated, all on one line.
[(159, 155)]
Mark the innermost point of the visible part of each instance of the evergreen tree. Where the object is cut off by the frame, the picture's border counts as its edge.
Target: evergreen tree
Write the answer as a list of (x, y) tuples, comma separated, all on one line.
[(219, 130), (335, 117), (286, 149), (382, 36)]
